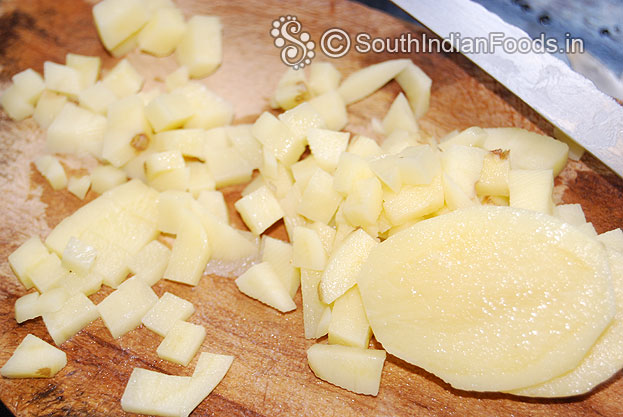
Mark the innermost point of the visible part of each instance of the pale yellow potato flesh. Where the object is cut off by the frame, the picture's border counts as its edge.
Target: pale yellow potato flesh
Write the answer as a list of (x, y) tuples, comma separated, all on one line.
[(603, 360), (489, 298)]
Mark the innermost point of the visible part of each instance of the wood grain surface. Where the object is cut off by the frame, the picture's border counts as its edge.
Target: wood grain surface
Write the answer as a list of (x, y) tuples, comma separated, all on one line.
[(269, 376)]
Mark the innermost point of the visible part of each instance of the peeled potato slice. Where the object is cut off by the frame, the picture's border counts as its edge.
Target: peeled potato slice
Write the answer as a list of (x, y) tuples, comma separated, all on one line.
[(489, 298), (603, 360)]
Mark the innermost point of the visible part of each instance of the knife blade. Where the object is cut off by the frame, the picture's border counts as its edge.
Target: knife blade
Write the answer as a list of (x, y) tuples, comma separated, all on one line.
[(563, 97)]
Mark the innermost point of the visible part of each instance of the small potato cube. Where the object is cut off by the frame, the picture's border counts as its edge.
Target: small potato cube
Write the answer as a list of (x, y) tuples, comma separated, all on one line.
[(214, 202), (76, 130), (52, 300), (117, 20), (48, 107), (160, 162), (355, 369), (365, 81), (279, 255), (62, 79), (291, 90), (174, 179), (399, 116), (177, 79), (79, 186), (26, 257), (308, 250), (387, 169), (319, 201), (418, 165), (123, 79), (76, 313), (302, 118), (190, 142), (494, 175), (163, 32), (259, 210), (87, 66), (191, 251), (52, 170), (323, 77), (350, 169), (97, 98), (27, 307), (364, 147), (472, 136), (150, 262), (181, 343), (124, 308), (200, 48), (278, 139), (416, 85), (364, 203), (245, 143), (332, 109), (86, 284), (47, 273), (168, 111), (209, 110), (262, 283), (78, 257), (153, 393), (313, 307), (200, 178), (34, 358), (106, 177), (327, 146), (14, 103), (30, 85), (531, 189), (166, 312), (233, 244), (413, 201), (303, 170), (349, 323), (112, 260), (344, 265)]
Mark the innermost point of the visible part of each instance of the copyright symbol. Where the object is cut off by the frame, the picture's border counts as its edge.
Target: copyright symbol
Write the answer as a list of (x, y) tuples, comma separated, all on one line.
[(335, 43)]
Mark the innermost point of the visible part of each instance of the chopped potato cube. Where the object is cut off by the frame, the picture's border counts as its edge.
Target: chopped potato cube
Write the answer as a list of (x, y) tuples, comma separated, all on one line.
[(262, 283), (349, 324), (319, 201), (76, 313), (125, 307), (191, 251), (117, 20), (531, 189), (79, 186), (106, 177), (181, 342), (313, 307), (47, 273), (62, 79), (48, 107), (76, 130), (166, 312), (367, 80), (87, 66), (168, 111), (150, 262), (123, 79), (34, 358), (30, 85), (26, 257), (200, 48), (163, 32), (27, 307), (279, 255), (327, 146), (308, 250), (259, 210), (50, 167), (355, 369), (78, 257)]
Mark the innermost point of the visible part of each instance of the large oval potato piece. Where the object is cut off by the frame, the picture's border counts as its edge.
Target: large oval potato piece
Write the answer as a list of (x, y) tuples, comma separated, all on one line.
[(489, 298)]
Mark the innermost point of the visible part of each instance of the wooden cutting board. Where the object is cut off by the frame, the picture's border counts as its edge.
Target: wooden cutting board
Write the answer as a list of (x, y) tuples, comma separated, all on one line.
[(269, 376)]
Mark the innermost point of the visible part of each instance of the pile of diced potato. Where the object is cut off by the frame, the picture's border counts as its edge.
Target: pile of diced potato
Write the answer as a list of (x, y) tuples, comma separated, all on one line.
[(164, 155)]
